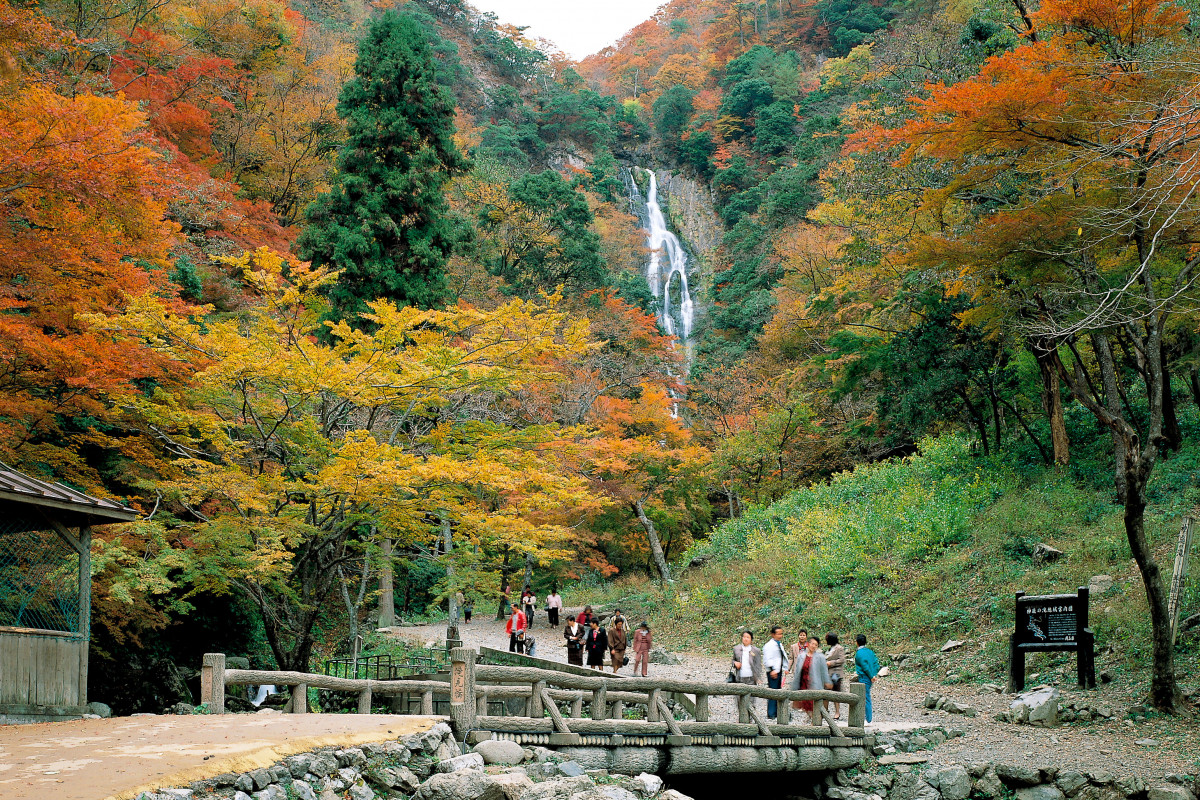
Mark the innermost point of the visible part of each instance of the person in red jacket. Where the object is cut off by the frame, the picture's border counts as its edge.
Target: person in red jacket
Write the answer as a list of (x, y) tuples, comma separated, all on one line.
[(514, 629)]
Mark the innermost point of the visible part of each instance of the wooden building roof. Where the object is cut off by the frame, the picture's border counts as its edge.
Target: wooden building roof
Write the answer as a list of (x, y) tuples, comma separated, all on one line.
[(57, 500)]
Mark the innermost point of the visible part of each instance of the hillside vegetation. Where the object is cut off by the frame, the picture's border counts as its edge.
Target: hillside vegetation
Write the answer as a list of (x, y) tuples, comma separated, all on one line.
[(916, 551)]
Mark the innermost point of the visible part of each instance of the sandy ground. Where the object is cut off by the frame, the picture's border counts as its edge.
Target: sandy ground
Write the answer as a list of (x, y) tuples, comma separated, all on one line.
[(116, 758), (898, 704)]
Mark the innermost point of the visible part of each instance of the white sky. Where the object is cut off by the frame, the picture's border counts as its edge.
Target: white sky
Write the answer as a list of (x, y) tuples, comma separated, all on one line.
[(578, 27)]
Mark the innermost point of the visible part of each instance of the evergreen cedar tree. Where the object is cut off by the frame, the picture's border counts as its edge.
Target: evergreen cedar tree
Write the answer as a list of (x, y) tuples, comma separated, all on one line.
[(386, 224)]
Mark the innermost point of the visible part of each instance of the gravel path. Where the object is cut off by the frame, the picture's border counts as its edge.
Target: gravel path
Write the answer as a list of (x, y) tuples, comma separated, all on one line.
[(1110, 746)]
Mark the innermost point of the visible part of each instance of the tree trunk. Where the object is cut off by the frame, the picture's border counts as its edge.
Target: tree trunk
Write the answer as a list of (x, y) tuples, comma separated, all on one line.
[(387, 586), (528, 572), (447, 548), (1195, 381), (1171, 431), (1162, 680), (977, 418), (1052, 402), (1112, 403), (502, 611), (660, 560)]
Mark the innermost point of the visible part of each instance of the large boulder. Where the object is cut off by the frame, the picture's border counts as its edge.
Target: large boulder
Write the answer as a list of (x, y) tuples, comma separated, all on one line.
[(463, 785), (1017, 777), (659, 655), (1037, 707), (500, 751), (1169, 792), (559, 789)]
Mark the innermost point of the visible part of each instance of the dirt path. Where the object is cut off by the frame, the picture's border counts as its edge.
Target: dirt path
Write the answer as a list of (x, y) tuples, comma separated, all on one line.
[(898, 704), (118, 758)]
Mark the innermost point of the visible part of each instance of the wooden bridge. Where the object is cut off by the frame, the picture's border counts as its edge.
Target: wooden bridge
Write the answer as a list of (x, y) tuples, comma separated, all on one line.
[(621, 724)]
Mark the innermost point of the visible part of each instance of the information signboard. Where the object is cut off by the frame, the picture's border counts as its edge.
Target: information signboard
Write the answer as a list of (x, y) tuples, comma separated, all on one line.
[(1048, 623)]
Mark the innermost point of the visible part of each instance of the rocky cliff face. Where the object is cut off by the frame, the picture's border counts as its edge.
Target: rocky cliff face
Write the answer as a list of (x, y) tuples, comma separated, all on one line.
[(691, 211)]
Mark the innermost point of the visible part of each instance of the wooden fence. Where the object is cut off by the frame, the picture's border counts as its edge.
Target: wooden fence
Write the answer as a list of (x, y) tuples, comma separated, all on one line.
[(594, 705)]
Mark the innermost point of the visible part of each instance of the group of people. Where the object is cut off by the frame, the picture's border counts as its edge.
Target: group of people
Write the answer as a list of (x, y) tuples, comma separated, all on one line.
[(584, 635), (803, 665)]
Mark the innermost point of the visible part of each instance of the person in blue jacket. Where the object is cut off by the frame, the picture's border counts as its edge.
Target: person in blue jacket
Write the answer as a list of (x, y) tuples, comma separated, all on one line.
[(867, 664)]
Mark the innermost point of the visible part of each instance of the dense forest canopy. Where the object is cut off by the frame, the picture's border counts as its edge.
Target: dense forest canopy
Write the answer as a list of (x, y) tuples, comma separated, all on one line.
[(312, 283)]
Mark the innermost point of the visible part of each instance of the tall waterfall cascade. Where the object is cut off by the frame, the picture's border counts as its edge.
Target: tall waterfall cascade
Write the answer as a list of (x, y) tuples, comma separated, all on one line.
[(667, 269)]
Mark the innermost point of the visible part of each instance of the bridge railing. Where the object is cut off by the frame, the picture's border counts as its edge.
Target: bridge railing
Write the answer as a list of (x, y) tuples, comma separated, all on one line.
[(473, 685)]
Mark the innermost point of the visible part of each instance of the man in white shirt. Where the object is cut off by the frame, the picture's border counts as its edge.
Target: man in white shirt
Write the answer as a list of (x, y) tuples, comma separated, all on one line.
[(775, 662)]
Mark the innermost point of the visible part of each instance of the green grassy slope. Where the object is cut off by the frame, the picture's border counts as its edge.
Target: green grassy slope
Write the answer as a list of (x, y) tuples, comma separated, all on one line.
[(919, 550)]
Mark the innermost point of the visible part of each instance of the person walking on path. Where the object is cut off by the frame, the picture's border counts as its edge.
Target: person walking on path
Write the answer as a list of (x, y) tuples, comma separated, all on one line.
[(468, 610), (528, 603), (459, 601), (618, 640), (775, 662), (747, 660), (516, 630), (867, 665), (813, 673), (796, 653), (585, 616), (643, 640), (596, 644), (574, 633), (836, 660), (553, 606)]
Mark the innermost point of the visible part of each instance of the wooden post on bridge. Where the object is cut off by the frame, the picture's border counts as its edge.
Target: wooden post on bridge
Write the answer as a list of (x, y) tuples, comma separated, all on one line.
[(212, 682), (858, 709), (462, 690)]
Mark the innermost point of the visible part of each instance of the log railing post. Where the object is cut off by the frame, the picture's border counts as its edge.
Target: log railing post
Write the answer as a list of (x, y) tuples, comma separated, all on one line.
[(577, 705), (463, 708), (481, 702), (858, 709), (536, 711), (364, 700), (702, 708), (427, 702), (652, 698), (784, 708), (743, 703), (212, 682), (299, 703), (600, 702)]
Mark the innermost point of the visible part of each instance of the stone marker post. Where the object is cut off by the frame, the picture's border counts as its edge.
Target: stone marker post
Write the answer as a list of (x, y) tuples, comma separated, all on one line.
[(212, 682), (462, 690)]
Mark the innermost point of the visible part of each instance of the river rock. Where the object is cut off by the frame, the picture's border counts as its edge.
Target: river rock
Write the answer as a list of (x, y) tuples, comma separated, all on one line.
[(989, 784), (571, 769), (462, 785), (261, 778), (953, 782), (1070, 782), (1045, 554), (303, 791), (1044, 791), (360, 791), (1018, 776), (1169, 792), (659, 655), (952, 644), (500, 751), (513, 784), (1037, 707), (560, 789), (272, 792), (1099, 584), (400, 778), (459, 763), (647, 785), (99, 709)]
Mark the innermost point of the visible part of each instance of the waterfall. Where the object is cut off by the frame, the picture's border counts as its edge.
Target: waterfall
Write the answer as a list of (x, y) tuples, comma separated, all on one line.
[(264, 691), (668, 283)]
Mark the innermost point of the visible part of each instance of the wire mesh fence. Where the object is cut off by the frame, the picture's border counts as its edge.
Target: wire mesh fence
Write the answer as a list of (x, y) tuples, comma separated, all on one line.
[(39, 578)]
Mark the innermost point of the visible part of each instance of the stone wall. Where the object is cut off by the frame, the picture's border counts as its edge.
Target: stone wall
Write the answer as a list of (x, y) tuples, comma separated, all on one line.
[(904, 770), (425, 766)]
